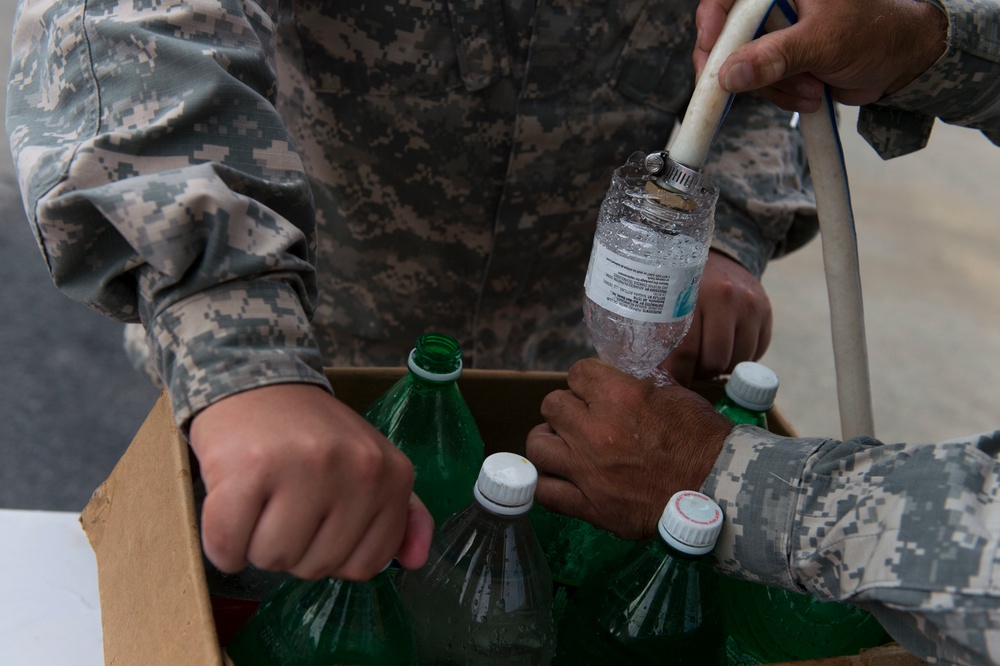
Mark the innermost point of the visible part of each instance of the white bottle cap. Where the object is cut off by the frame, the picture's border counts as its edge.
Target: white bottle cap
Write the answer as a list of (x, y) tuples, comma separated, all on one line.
[(752, 385), (506, 484), (691, 522)]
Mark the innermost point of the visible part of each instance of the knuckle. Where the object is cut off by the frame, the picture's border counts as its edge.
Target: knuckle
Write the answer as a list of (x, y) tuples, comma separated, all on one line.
[(368, 464)]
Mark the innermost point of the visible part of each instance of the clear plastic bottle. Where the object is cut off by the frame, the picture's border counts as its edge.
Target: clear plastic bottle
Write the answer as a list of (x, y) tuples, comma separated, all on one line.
[(425, 415), (485, 595), (658, 604), (648, 257), (327, 621), (766, 624)]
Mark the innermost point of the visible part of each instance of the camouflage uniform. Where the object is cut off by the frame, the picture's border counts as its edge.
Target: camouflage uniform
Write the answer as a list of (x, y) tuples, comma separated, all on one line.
[(177, 158), (909, 532), (961, 88)]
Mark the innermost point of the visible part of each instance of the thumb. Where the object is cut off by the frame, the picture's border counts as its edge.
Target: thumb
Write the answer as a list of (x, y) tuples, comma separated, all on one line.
[(417, 540), (767, 60)]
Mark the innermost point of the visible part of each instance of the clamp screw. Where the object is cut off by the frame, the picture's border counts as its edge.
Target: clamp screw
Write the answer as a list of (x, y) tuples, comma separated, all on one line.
[(655, 163)]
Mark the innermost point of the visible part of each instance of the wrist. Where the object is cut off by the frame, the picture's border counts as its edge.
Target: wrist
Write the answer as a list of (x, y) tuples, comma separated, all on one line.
[(926, 40)]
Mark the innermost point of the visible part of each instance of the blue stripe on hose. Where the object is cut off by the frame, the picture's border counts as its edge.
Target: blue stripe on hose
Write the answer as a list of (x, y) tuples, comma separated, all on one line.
[(787, 10), (792, 17), (832, 115)]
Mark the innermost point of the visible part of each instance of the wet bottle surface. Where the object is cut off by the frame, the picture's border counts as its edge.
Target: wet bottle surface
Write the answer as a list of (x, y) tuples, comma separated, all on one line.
[(574, 550), (485, 595), (328, 621), (425, 415), (649, 253), (656, 605), (766, 624)]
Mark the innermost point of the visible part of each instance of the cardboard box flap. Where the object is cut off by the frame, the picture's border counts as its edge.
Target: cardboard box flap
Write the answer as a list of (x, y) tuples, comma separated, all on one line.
[(154, 610)]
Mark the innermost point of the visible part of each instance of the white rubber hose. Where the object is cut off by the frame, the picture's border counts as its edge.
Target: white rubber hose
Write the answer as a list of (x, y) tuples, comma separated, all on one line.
[(833, 202)]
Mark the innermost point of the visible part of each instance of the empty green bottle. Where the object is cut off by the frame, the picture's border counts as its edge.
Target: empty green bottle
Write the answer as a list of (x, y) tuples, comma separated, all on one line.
[(767, 624), (656, 605), (326, 622), (425, 415), (484, 598)]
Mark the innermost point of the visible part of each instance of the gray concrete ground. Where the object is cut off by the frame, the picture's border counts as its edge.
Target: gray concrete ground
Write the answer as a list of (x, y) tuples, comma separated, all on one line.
[(929, 238)]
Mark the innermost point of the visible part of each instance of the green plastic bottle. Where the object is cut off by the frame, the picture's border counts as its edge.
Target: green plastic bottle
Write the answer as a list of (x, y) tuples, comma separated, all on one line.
[(425, 415), (574, 550), (658, 604), (749, 394), (766, 624), (327, 621)]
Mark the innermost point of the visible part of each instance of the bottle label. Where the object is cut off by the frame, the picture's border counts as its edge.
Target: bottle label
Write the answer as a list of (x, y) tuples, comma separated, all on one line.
[(655, 294)]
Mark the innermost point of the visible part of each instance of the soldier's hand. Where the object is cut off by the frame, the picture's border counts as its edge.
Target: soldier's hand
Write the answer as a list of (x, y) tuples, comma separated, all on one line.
[(732, 323), (614, 448), (862, 49), (299, 482)]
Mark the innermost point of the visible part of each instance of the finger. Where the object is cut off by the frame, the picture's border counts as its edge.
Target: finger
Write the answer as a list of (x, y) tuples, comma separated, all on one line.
[(548, 452), (764, 339), (562, 496), (709, 19), (802, 85), (229, 515), (717, 342), (417, 540), (683, 361), (589, 378), (767, 60), (561, 408), (359, 537), (287, 525), (790, 102)]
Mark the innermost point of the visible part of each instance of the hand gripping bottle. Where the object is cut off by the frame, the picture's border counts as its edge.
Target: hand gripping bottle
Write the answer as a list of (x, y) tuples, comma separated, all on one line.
[(749, 394), (767, 624), (425, 415), (327, 621), (658, 604), (485, 595), (649, 253)]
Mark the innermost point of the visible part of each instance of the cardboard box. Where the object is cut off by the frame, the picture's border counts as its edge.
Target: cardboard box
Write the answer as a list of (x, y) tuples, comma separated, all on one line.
[(141, 521)]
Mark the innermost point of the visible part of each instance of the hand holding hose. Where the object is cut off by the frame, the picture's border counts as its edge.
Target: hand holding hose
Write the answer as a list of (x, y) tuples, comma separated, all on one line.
[(863, 49)]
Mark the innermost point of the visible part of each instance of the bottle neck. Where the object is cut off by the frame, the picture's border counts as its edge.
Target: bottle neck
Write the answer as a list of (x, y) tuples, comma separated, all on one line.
[(738, 414), (436, 358), (664, 550)]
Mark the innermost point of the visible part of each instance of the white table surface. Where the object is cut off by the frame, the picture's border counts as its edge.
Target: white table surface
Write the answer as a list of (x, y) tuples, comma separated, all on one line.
[(50, 609)]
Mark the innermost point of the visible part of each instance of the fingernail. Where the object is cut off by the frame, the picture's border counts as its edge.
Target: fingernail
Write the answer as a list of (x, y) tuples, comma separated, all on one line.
[(738, 77), (697, 39)]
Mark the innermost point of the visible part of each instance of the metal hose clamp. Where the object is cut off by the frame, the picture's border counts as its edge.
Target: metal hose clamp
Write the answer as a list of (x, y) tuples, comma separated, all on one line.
[(672, 175)]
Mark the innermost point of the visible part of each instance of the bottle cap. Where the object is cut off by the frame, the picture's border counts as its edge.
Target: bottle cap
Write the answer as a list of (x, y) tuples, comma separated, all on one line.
[(436, 358), (506, 484), (691, 522), (753, 386)]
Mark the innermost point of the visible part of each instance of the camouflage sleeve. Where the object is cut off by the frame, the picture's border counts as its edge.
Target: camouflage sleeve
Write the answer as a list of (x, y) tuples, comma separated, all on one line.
[(162, 187), (961, 88), (908, 532), (766, 206)]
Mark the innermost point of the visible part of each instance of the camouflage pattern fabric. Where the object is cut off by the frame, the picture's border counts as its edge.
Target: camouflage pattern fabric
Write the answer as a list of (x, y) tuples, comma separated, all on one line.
[(908, 532), (961, 88), (183, 161)]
